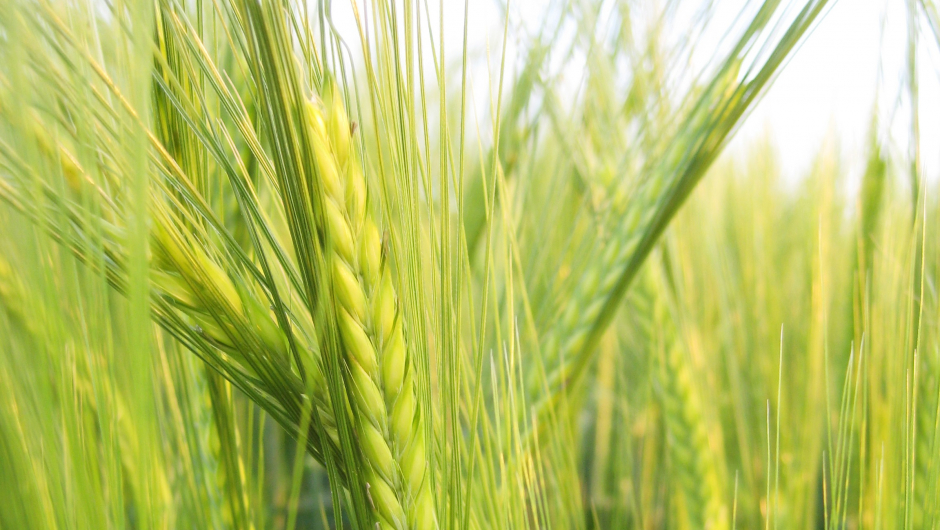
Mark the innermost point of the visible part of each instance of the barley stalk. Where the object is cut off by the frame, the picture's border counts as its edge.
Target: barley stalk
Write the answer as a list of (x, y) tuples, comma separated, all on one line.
[(370, 325), (13, 301), (567, 345), (927, 461)]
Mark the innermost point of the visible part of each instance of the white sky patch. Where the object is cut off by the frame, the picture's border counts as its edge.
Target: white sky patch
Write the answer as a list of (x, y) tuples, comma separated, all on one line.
[(825, 93)]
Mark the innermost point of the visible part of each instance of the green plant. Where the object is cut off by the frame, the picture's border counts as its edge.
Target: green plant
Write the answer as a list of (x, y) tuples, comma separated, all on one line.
[(220, 214)]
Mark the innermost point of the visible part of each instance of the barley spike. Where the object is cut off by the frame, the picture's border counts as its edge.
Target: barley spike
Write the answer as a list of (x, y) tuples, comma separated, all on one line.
[(371, 328)]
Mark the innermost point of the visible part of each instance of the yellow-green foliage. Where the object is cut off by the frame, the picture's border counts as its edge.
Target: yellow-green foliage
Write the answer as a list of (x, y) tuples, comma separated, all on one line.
[(264, 268)]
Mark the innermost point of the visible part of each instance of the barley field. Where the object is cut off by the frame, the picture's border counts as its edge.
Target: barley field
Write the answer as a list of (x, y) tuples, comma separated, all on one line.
[(334, 264)]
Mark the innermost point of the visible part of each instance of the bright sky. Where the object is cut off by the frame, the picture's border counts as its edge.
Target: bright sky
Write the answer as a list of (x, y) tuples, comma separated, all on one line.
[(829, 88), (825, 93)]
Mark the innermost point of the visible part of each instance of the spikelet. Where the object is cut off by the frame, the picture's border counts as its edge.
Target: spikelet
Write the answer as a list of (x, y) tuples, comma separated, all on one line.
[(370, 324)]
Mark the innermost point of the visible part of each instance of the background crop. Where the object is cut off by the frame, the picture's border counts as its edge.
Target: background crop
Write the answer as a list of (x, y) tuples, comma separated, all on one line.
[(263, 270)]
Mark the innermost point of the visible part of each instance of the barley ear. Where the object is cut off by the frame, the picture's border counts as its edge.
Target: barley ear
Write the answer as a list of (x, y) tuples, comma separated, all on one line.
[(371, 328), (693, 463)]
